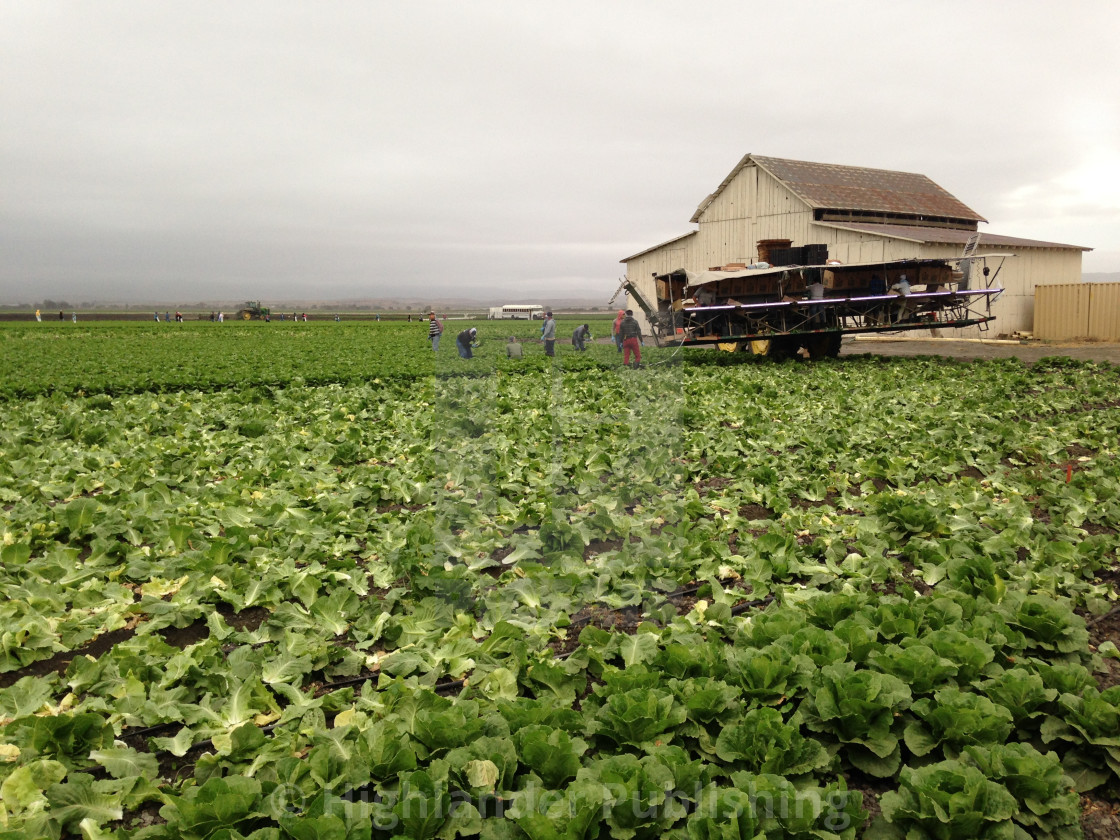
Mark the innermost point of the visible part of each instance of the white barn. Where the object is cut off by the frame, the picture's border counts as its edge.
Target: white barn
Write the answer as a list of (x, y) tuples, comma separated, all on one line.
[(862, 215)]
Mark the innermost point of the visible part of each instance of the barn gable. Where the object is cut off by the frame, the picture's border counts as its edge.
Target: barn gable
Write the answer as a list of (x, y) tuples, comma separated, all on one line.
[(855, 193)]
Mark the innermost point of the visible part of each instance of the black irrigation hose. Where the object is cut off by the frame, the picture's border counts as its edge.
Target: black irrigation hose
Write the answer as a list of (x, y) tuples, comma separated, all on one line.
[(1101, 618), (159, 727), (688, 590), (739, 609)]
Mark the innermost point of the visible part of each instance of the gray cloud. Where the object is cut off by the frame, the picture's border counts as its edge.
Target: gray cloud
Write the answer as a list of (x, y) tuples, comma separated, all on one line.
[(351, 149)]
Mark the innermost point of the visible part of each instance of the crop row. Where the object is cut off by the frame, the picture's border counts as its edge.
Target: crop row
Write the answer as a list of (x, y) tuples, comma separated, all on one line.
[(920, 542), (137, 357)]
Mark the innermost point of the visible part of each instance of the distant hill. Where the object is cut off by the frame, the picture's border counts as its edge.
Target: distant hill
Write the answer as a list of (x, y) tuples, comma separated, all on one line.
[(441, 305)]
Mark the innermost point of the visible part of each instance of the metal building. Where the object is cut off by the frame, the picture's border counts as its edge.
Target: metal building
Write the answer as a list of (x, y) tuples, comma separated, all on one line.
[(861, 215)]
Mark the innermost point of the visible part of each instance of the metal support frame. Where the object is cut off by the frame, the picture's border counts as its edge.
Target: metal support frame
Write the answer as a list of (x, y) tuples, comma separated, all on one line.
[(871, 314), (772, 317)]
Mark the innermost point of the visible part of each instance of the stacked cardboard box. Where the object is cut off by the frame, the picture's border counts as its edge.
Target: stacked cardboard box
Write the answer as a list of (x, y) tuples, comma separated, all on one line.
[(846, 280), (767, 284), (935, 275)]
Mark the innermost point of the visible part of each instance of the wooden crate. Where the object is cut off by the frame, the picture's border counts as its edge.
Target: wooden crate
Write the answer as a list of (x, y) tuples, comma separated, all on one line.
[(764, 246)]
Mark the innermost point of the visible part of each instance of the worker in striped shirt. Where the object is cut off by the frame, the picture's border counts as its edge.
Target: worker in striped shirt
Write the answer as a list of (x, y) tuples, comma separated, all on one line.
[(435, 330)]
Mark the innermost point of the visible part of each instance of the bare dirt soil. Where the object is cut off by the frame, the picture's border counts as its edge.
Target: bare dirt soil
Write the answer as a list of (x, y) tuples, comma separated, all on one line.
[(1029, 352)]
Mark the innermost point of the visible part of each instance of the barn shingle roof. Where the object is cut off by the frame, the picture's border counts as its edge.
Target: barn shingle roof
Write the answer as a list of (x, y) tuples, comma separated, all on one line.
[(827, 186), (943, 236)]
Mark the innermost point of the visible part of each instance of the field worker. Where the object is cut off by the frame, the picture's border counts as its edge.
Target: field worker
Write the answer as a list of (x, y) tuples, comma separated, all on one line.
[(581, 336), (631, 332), (548, 334), (902, 289), (615, 330), (435, 330), (38, 315), (513, 349), (74, 317), (876, 288), (615, 334), (464, 341), (815, 288)]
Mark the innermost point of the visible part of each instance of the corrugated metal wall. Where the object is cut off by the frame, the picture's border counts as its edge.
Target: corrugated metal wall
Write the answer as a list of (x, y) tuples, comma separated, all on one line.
[(1077, 311), (1104, 311)]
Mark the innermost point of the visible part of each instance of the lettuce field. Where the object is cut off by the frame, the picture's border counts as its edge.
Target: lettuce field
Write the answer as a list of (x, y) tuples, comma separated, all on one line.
[(317, 581)]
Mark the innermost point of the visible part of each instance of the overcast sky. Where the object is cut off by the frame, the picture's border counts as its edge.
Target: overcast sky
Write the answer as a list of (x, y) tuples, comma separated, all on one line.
[(201, 151)]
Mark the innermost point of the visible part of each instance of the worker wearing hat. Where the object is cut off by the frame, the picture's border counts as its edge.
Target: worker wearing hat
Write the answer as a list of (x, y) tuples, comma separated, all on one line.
[(464, 341), (435, 330)]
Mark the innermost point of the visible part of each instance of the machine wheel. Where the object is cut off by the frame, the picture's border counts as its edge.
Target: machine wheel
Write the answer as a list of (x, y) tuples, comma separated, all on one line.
[(782, 347), (824, 345), (834, 342)]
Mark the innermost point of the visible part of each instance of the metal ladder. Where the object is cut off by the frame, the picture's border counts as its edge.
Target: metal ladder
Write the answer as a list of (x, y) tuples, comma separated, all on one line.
[(618, 291), (970, 245)]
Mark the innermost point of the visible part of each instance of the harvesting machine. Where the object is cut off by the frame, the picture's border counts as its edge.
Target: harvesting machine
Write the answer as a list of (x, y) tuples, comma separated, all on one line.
[(782, 310)]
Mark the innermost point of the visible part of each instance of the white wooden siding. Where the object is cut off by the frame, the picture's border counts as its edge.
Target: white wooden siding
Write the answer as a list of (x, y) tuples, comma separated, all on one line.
[(752, 207), (1019, 276), (640, 271)]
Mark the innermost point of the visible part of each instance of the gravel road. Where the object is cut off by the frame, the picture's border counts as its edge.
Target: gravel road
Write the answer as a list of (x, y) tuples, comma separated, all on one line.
[(1029, 352)]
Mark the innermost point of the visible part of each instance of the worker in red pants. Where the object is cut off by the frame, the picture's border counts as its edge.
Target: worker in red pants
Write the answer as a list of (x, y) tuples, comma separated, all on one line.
[(631, 332)]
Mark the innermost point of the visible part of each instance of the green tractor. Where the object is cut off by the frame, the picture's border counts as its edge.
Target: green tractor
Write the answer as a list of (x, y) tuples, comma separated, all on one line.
[(253, 310)]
